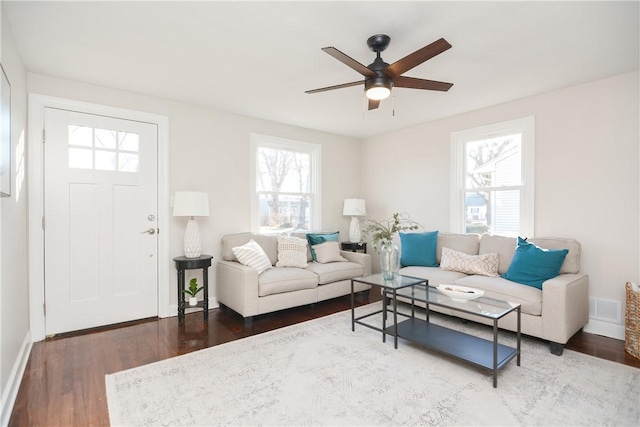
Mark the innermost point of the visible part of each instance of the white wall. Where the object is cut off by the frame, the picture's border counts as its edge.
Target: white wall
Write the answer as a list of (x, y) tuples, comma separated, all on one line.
[(14, 303), (586, 174), (209, 151)]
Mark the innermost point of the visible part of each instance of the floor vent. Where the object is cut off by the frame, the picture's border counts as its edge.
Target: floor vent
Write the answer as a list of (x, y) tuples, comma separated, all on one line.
[(606, 310)]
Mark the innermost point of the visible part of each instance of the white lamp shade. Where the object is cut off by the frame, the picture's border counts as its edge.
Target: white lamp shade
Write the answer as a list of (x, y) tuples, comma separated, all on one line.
[(354, 207), (190, 203)]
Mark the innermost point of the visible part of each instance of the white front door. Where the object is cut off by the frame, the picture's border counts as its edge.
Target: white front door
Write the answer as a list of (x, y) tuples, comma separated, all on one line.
[(100, 218)]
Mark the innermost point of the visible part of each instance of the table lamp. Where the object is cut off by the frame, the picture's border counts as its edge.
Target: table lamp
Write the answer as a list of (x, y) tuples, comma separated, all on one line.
[(191, 204), (354, 208)]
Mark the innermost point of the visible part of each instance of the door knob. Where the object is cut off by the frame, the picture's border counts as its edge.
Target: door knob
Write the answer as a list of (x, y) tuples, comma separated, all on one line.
[(149, 231)]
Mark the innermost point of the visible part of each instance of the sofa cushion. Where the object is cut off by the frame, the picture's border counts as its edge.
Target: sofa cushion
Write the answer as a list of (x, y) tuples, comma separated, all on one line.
[(292, 252), (501, 245), (335, 271), (268, 243), (328, 252), (317, 238), (485, 264), (278, 280), (528, 297), (419, 249), (252, 255), (571, 262), (532, 265), (467, 243), (435, 275)]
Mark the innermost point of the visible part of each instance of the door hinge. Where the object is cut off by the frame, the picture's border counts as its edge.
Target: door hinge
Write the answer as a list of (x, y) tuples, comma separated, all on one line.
[(43, 224), (43, 136), (44, 308)]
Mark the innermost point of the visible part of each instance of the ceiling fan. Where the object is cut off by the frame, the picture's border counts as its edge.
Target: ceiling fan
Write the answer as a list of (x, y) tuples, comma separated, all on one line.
[(380, 77)]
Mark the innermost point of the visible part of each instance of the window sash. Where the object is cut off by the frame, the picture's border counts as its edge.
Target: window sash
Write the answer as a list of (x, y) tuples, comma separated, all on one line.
[(314, 151), (525, 127)]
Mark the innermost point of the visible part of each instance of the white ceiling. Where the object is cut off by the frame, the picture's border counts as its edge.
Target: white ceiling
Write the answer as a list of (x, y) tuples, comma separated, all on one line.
[(258, 58)]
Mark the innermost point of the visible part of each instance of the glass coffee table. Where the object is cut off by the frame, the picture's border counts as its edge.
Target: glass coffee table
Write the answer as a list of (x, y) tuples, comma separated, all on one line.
[(488, 354), (390, 290)]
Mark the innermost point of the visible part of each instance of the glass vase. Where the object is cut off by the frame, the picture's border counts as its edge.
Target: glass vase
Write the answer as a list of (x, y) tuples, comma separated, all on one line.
[(389, 260)]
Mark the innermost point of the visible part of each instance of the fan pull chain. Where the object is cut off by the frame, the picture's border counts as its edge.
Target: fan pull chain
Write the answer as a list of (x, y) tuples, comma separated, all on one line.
[(393, 104)]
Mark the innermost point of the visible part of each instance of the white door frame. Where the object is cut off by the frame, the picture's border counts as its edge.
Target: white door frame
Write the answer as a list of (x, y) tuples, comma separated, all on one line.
[(37, 105)]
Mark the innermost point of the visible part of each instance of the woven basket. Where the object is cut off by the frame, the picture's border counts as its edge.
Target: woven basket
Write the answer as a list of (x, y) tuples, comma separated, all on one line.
[(632, 322)]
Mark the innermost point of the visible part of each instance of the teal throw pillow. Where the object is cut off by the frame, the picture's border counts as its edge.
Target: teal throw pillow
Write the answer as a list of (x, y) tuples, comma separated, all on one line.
[(532, 265), (316, 239), (419, 249)]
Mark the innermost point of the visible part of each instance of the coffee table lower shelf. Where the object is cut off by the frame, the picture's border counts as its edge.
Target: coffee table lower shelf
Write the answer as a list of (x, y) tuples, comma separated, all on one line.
[(454, 343)]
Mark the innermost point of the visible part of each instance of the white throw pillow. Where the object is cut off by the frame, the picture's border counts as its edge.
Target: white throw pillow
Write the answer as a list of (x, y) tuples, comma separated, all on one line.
[(328, 252), (252, 255), (292, 252), (485, 264)]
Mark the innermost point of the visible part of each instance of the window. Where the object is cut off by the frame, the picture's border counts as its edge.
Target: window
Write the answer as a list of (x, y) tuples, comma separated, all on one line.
[(103, 149), (285, 185), (492, 179)]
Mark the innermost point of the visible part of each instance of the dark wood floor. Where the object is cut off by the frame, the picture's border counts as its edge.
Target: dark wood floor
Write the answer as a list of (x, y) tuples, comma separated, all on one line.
[(64, 384)]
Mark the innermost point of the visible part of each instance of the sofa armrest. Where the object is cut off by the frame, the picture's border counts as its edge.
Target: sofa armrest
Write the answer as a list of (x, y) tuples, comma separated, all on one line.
[(565, 306), (363, 259), (237, 287)]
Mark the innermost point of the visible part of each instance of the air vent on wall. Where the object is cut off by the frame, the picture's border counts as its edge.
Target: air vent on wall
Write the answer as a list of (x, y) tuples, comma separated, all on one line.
[(605, 310)]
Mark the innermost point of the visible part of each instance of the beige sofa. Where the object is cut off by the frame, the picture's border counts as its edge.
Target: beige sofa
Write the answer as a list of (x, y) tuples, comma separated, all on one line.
[(241, 288), (554, 313)]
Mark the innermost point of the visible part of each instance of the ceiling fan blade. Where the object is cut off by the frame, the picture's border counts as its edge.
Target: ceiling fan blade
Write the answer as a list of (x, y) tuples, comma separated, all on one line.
[(350, 62), (416, 58), (413, 83), (324, 89), (373, 104)]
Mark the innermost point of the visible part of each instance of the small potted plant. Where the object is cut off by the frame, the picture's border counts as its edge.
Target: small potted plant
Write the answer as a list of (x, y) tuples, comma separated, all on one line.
[(193, 291)]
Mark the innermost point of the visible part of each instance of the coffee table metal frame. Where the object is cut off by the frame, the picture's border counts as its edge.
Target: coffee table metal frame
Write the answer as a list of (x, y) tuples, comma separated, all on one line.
[(390, 287), (478, 351)]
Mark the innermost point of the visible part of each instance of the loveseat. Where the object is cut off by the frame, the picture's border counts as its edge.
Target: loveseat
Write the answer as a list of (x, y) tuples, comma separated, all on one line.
[(554, 313), (250, 293)]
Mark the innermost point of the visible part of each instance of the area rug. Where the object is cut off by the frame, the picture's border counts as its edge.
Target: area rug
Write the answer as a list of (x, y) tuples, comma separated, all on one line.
[(320, 373)]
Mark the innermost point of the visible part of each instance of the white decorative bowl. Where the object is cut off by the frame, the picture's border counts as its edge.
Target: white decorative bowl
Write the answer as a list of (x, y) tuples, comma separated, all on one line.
[(460, 293)]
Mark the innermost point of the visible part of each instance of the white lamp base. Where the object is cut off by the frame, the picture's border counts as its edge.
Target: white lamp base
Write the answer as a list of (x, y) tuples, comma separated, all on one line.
[(354, 230), (192, 241)]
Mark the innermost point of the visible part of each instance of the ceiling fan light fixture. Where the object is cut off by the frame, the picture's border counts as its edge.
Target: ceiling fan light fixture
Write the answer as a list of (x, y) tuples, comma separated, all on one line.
[(378, 88)]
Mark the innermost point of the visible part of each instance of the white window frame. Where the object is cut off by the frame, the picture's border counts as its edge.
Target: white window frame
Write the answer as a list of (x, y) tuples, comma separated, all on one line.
[(314, 150), (524, 126)]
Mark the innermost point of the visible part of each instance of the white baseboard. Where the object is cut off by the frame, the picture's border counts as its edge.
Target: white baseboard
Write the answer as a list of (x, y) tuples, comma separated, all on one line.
[(15, 378), (611, 330), (173, 308)]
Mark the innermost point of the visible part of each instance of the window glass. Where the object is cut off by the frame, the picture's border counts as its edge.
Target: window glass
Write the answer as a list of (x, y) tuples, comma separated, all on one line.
[(286, 185), (492, 179), (103, 149), (80, 136), (105, 160)]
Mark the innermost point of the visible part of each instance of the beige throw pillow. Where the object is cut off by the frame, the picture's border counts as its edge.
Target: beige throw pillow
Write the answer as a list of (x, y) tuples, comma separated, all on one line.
[(292, 252), (485, 264), (328, 252), (251, 254)]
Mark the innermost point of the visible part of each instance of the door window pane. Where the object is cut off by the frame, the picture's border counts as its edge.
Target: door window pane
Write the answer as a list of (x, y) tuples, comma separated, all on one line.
[(105, 138), (127, 162), (128, 141), (80, 136), (105, 160), (106, 149)]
